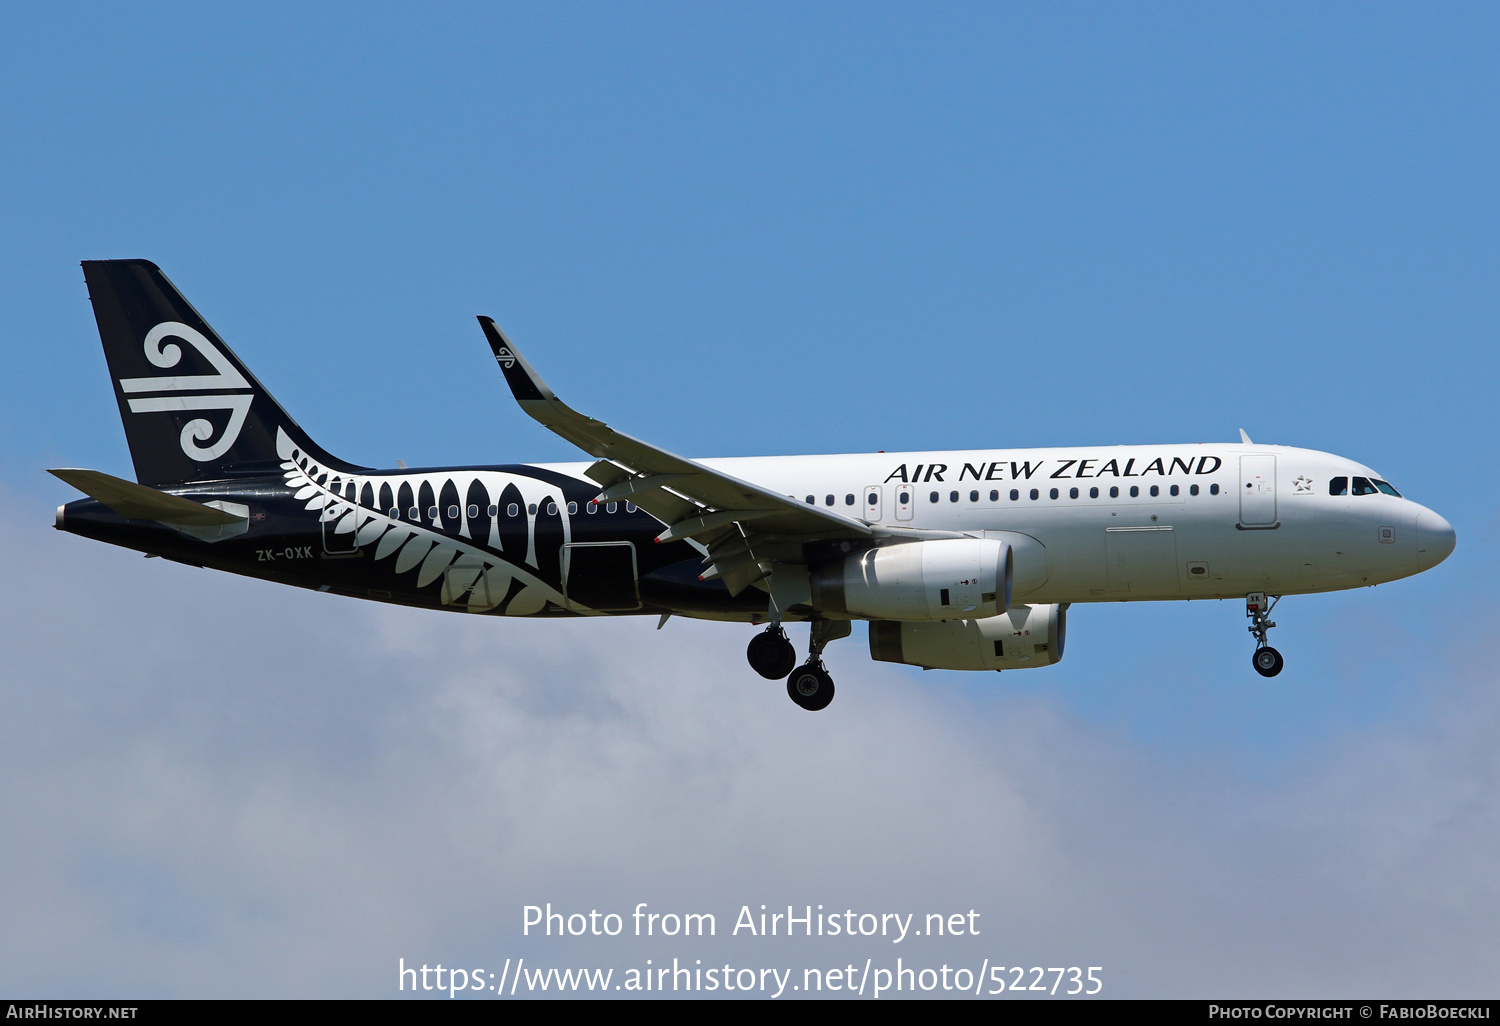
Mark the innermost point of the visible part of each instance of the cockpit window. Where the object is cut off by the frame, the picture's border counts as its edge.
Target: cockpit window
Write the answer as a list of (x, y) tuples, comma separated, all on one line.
[(1385, 486), (1362, 486), (1338, 486)]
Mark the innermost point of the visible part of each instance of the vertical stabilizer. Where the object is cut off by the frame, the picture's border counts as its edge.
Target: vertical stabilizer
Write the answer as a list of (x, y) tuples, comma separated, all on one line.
[(191, 409)]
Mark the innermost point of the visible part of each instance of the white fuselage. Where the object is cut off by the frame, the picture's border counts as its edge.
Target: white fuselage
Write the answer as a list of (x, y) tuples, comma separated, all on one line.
[(1204, 521)]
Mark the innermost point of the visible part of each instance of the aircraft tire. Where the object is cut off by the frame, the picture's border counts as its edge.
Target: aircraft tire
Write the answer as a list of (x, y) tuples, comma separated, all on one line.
[(1267, 661), (810, 687), (771, 655)]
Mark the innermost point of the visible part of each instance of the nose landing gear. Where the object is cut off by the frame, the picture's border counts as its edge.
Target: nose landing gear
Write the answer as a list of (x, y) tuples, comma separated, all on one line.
[(1266, 660)]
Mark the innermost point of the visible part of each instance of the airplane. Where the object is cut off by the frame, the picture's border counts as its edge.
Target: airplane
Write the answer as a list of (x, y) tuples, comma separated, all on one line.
[(965, 560)]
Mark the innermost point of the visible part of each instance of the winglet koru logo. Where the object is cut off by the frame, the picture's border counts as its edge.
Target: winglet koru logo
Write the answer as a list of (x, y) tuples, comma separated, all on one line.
[(196, 430), (505, 358)]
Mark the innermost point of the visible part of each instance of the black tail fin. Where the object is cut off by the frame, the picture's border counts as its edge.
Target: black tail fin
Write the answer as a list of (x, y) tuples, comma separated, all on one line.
[(191, 409)]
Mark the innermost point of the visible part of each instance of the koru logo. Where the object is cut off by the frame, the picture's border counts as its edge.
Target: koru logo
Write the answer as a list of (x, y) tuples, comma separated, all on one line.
[(505, 358), (227, 378)]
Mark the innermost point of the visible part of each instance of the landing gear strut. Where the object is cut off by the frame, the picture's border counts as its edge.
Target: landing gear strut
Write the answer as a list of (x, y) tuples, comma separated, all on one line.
[(810, 686), (771, 655), (1266, 660)]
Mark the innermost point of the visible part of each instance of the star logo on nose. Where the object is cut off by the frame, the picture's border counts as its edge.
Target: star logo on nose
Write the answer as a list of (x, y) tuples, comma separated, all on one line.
[(1302, 484)]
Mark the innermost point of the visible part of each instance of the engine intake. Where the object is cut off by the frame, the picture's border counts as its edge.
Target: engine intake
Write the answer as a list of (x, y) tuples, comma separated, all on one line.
[(927, 580), (1022, 637)]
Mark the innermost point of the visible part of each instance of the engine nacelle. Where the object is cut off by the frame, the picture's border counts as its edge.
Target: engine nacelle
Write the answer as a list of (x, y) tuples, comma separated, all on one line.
[(925, 580), (1021, 637)]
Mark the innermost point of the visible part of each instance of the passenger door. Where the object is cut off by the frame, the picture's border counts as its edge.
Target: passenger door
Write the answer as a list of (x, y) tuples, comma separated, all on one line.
[(1258, 491), (340, 520)]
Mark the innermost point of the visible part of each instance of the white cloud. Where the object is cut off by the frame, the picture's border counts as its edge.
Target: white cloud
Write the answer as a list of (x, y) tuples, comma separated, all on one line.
[(221, 787)]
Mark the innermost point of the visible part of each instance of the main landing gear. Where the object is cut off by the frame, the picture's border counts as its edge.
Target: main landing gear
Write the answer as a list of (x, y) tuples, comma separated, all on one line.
[(771, 655), (1266, 660), (810, 686)]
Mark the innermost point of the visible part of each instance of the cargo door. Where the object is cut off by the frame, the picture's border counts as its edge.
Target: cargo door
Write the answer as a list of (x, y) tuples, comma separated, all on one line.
[(1142, 561), (601, 575), (466, 584)]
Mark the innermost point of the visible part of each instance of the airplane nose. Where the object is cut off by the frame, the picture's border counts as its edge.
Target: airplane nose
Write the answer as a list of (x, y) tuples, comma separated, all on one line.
[(1435, 539)]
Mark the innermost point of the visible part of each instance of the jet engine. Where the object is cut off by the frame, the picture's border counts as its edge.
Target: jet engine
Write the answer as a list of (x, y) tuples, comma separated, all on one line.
[(926, 580), (1021, 637)]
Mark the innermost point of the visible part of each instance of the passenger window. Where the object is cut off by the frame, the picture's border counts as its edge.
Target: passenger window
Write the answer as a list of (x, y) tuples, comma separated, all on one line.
[(1072, 493), (592, 507), (452, 512), (512, 510), (1035, 494), (552, 509), (531, 509), (994, 495), (1174, 490), (494, 511), (1052, 494), (828, 500), (903, 498), (874, 499), (1192, 489), (572, 508), (1114, 491), (611, 507), (414, 514), (473, 512), (1363, 487), (1093, 493), (395, 513), (629, 507), (952, 496), (1213, 489), (933, 497), (1014, 495), (811, 501), (1338, 486), (1385, 487), (849, 499), (974, 496), (432, 512), (1135, 491)]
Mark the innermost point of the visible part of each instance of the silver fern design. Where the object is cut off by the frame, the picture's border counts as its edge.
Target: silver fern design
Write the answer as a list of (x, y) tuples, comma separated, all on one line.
[(476, 574)]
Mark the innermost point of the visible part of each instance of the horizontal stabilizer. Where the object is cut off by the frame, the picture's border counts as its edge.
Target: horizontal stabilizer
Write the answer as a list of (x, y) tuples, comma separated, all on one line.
[(138, 502)]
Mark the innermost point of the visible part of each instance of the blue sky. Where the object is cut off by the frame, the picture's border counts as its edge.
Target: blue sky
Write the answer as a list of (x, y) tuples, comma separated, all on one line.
[(748, 229)]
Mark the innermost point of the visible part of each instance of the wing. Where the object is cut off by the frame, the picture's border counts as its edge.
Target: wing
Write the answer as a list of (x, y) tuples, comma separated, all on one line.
[(741, 527)]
